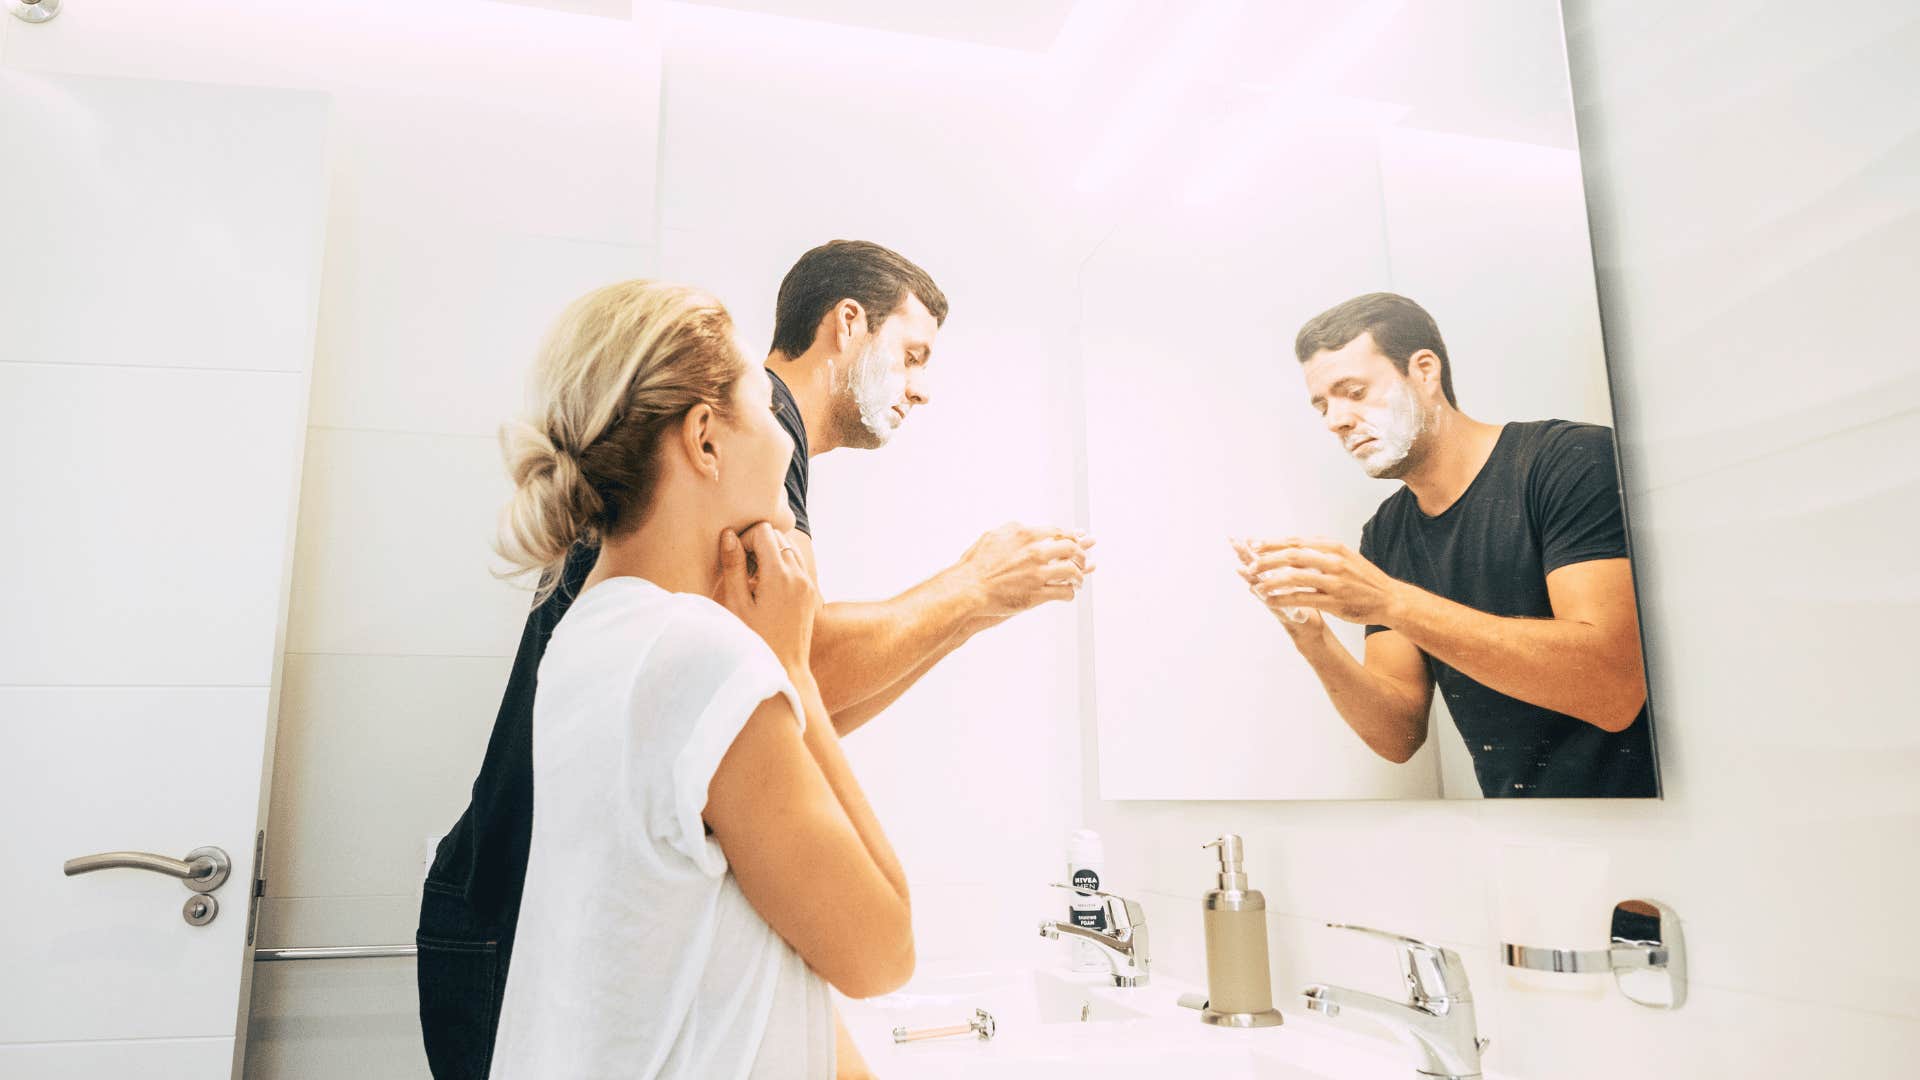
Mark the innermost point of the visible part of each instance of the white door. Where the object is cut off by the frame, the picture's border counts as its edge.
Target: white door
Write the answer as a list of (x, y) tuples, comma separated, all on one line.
[(160, 252)]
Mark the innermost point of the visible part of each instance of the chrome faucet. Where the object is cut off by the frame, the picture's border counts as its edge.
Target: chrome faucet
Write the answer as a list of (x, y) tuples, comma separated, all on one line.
[(1436, 1021), (1124, 939)]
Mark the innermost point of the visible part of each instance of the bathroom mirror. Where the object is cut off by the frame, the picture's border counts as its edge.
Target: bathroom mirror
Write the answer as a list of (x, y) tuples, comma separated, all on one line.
[(1321, 154)]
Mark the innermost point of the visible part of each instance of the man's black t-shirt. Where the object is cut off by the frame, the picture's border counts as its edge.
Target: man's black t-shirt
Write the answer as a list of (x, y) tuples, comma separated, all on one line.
[(1548, 497), (788, 414), (484, 856)]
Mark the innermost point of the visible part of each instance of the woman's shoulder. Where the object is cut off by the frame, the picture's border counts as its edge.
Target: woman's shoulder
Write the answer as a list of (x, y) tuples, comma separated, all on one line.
[(637, 619), (698, 630), (661, 645)]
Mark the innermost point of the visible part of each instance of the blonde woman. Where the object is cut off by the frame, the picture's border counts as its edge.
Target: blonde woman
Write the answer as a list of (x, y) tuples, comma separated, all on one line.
[(703, 864)]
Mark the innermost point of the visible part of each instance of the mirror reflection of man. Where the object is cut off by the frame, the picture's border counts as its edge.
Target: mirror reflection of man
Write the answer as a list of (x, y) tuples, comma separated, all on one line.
[(1498, 571)]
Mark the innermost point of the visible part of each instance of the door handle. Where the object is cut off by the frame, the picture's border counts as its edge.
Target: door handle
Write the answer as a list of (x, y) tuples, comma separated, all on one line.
[(203, 870)]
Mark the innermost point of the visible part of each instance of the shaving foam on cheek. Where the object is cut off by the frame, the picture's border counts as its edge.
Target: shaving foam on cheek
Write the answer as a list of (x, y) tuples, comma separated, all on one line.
[(1394, 426), (876, 390)]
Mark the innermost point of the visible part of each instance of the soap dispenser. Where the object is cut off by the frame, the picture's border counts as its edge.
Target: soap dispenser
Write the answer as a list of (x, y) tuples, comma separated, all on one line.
[(1239, 986)]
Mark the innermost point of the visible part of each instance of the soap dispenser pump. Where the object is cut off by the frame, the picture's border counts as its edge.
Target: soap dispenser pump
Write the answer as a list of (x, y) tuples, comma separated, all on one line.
[(1239, 986)]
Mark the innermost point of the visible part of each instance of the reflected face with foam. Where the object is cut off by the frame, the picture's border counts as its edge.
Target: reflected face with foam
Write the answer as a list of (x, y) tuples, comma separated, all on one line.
[(1374, 410)]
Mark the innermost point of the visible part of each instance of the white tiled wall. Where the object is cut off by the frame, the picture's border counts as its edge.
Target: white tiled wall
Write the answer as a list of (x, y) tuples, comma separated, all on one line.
[(475, 209), (1750, 177)]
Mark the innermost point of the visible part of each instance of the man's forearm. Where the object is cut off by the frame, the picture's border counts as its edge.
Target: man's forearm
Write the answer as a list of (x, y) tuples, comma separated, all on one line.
[(824, 743), (1391, 720), (1570, 667), (863, 650), (848, 718)]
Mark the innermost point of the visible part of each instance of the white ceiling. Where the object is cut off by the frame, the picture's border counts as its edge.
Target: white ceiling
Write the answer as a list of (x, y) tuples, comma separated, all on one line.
[(1027, 25), (608, 9)]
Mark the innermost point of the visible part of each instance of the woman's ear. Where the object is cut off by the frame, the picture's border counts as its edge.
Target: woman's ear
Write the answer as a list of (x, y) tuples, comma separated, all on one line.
[(697, 431)]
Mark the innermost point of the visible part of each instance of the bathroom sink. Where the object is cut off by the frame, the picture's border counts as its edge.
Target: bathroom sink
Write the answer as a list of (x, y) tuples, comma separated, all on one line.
[(1018, 1000), (1215, 1065), (1059, 998), (1128, 1034)]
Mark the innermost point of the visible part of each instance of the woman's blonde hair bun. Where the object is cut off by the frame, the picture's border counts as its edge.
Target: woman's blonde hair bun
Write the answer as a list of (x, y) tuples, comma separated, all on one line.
[(620, 364)]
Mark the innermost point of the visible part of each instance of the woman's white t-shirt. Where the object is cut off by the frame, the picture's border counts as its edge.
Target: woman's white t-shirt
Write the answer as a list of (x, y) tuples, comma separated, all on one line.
[(636, 954)]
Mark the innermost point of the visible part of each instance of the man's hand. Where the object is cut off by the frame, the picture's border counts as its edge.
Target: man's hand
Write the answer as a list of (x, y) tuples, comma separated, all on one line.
[(1016, 567), (1322, 575)]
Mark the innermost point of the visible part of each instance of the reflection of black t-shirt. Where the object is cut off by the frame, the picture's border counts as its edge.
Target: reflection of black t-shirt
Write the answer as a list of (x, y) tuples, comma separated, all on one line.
[(485, 854), (1547, 498)]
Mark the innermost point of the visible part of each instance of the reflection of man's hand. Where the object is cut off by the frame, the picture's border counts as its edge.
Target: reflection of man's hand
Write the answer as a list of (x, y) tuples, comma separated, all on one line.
[(1324, 575), (1300, 622)]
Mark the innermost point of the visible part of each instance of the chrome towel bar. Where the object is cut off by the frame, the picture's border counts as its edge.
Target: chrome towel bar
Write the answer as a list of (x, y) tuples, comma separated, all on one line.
[(336, 952)]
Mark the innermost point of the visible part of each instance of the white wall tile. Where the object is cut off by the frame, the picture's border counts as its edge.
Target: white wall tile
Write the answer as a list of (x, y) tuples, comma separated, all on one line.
[(96, 466), (393, 552), (605, 9), (317, 1020), (494, 115), (967, 771), (150, 1059), (926, 134), (429, 328), (288, 922), (1752, 219), (537, 162), (216, 250), (375, 754)]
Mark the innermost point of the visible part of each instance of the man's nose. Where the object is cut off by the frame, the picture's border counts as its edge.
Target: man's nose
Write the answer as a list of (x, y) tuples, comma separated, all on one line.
[(917, 390)]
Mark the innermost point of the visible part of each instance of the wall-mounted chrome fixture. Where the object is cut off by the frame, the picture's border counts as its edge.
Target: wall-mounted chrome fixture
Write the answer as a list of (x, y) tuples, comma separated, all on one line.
[(1648, 958), (337, 952), (34, 11)]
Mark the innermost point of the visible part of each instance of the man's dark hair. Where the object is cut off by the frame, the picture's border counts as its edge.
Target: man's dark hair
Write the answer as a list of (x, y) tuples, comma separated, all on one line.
[(1399, 327), (878, 278)]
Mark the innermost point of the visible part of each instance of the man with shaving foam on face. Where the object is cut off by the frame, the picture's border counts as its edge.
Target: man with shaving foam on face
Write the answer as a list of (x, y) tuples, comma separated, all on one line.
[(1498, 571)]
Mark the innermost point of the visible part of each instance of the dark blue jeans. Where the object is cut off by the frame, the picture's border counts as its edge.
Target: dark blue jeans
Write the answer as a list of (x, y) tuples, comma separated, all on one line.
[(462, 979)]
